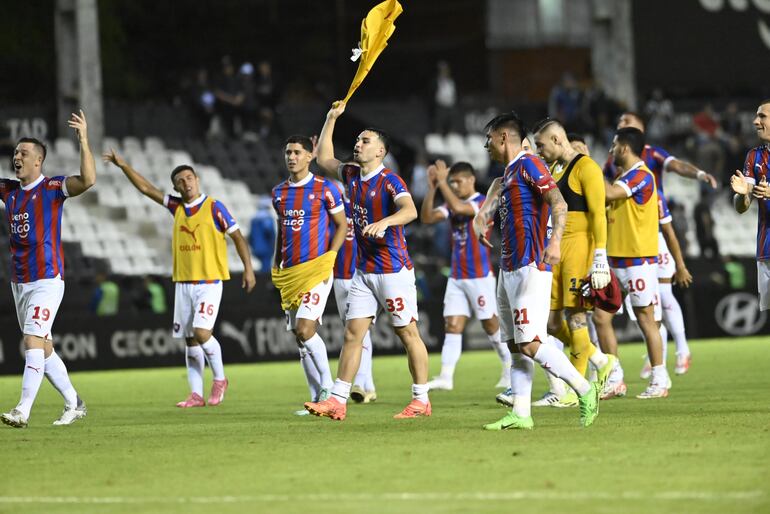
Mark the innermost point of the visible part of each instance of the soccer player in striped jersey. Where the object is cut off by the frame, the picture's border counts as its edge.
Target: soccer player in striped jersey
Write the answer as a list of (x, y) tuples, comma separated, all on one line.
[(584, 246), (751, 183), (200, 266), (363, 390), (527, 194), (33, 208), (384, 276), (471, 285), (659, 161), (633, 220), (306, 206)]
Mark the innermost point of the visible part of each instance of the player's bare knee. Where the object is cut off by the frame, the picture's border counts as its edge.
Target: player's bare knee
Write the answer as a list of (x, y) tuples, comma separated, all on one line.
[(201, 335), (490, 325), (576, 319), (453, 326), (601, 318), (529, 349), (408, 334), (304, 333)]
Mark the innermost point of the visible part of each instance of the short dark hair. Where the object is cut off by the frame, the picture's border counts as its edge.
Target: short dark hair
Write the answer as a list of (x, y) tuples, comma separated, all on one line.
[(638, 117), (765, 101), (305, 141), (179, 169), (39, 144), (573, 136), (508, 120), (633, 137), (462, 167), (384, 137), (545, 123)]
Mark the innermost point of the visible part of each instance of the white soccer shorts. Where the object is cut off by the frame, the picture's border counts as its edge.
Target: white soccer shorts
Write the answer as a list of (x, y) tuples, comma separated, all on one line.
[(396, 293), (37, 304), (195, 306), (476, 295), (640, 284), (524, 301), (666, 264), (341, 290), (312, 305), (763, 284)]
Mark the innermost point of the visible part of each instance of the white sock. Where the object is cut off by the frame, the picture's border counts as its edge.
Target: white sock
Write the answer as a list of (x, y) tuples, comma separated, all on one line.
[(593, 376), (664, 340), (501, 348), (341, 390), (194, 357), (317, 350), (598, 359), (369, 383), (522, 372), (672, 315), (556, 342), (34, 370), (617, 372), (56, 373), (311, 374), (420, 392), (365, 368), (213, 351), (450, 354), (556, 363), (659, 375)]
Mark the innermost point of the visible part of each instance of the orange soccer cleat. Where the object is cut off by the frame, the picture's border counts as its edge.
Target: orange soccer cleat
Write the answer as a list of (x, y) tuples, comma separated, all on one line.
[(415, 409), (329, 408)]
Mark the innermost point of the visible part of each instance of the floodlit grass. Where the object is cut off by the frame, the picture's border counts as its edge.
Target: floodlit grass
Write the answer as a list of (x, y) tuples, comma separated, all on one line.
[(706, 448)]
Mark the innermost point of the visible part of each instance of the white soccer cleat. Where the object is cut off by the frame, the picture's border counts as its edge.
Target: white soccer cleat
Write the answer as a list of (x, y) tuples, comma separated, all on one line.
[(70, 414), (14, 419), (682, 364), (613, 390), (505, 398), (653, 391), (549, 399), (440, 383)]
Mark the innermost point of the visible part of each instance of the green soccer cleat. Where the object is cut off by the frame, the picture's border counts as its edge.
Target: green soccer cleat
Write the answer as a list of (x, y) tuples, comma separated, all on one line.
[(511, 421), (589, 405), (604, 373)]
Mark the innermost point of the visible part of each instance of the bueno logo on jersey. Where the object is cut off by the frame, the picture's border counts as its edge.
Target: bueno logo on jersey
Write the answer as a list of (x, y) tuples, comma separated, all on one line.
[(20, 225)]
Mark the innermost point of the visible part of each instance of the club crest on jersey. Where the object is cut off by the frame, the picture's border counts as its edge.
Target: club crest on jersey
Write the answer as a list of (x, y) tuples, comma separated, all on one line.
[(372, 194), (53, 184), (311, 196)]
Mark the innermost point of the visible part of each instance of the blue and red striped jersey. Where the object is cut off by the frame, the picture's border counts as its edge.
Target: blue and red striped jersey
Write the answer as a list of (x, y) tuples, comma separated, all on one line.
[(34, 220), (304, 212), (223, 220), (470, 258), (654, 157), (754, 168), (372, 198), (524, 213)]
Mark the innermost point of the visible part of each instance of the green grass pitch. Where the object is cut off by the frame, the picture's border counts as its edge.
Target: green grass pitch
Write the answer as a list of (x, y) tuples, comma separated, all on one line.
[(706, 448)]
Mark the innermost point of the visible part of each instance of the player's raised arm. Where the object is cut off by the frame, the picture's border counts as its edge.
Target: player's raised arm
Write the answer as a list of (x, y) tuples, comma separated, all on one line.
[(325, 149), (242, 247), (142, 184), (555, 200), (456, 205), (428, 213), (487, 211), (79, 184)]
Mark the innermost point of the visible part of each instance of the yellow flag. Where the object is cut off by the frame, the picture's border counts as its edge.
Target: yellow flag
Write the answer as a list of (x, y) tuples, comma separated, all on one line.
[(376, 28)]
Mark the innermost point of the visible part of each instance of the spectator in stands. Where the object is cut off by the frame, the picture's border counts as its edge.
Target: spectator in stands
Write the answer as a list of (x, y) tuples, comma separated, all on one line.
[(679, 222), (203, 101), (266, 98), (250, 115), (419, 183), (704, 229), (151, 297), (444, 97), (564, 102), (262, 236), (709, 154), (105, 299), (599, 114), (229, 95), (733, 141), (660, 114)]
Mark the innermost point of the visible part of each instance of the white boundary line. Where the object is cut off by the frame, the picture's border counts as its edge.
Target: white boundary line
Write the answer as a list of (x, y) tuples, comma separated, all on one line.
[(364, 497)]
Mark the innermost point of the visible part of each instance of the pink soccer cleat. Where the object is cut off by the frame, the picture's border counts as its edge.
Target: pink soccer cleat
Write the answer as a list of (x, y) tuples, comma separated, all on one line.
[(329, 408), (415, 409), (218, 392), (194, 400), (682, 364)]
